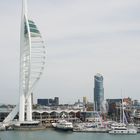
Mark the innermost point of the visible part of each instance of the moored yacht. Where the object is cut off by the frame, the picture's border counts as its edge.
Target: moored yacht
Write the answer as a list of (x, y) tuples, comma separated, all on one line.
[(63, 125), (120, 128)]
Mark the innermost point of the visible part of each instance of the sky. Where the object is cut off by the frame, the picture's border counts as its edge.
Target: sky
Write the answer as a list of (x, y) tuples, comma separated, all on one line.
[(83, 37)]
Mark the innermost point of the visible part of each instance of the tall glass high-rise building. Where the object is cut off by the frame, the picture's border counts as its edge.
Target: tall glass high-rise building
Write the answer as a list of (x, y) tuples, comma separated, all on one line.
[(98, 91)]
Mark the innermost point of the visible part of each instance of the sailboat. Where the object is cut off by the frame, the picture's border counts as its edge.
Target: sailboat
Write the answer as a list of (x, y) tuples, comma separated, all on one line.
[(121, 128)]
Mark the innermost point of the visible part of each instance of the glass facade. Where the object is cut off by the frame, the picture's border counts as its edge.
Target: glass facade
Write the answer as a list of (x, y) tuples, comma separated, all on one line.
[(98, 91), (32, 27)]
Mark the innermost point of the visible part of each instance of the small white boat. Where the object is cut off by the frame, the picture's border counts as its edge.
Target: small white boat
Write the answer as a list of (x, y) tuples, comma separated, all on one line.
[(63, 125), (2, 127), (90, 125)]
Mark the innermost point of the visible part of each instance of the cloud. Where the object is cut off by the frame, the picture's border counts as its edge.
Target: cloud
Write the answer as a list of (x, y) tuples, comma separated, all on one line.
[(83, 37)]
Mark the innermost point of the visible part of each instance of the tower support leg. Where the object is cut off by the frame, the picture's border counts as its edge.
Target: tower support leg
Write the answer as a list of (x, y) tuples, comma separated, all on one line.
[(22, 108), (29, 108)]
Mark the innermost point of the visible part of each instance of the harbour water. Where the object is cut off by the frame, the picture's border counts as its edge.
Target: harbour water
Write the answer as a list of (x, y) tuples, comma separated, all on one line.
[(51, 134)]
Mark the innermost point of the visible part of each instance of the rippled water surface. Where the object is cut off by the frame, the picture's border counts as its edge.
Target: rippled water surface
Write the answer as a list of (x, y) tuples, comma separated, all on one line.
[(50, 134)]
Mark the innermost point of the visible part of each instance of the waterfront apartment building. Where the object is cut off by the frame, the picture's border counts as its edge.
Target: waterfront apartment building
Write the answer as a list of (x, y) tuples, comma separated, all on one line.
[(113, 105), (98, 92)]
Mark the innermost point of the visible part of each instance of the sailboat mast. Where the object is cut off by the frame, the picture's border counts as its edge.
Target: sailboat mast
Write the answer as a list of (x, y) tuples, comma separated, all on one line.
[(122, 112)]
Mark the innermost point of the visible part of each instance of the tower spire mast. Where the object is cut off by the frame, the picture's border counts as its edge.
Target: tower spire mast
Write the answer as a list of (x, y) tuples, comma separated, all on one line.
[(24, 7), (30, 69), (21, 91)]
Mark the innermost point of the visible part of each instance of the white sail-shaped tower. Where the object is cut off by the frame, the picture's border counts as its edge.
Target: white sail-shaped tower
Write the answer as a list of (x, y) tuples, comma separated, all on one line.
[(32, 63)]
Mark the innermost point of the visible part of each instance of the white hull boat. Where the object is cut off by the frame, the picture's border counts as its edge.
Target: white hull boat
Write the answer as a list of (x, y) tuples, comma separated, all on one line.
[(63, 125), (123, 132)]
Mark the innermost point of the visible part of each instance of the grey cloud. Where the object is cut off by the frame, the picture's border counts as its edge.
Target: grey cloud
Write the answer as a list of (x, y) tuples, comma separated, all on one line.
[(83, 37)]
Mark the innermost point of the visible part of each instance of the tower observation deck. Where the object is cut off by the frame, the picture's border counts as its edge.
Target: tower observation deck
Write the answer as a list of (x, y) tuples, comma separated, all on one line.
[(32, 63)]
